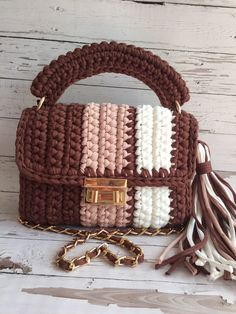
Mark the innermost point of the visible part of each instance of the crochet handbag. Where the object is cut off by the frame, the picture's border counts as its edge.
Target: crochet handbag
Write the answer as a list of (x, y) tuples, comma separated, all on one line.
[(111, 170)]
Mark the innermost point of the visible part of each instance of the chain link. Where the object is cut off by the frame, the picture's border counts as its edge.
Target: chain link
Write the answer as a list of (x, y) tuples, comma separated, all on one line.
[(113, 236)]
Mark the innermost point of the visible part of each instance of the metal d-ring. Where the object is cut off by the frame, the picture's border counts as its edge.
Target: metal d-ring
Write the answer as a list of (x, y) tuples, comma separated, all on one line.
[(40, 103), (178, 107)]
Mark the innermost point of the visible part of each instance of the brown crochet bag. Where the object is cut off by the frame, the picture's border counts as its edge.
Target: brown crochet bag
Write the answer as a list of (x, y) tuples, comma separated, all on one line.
[(123, 170)]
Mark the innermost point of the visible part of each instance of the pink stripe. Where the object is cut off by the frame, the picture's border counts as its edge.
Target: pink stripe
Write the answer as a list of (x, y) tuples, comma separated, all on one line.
[(88, 215), (90, 137), (105, 132), (122, 130), (102, 139), (123, 214), (104, 216), (111, 137), (107, 138)]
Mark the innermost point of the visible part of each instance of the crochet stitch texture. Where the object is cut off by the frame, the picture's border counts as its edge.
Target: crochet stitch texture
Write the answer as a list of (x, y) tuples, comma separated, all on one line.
[(152, 147)]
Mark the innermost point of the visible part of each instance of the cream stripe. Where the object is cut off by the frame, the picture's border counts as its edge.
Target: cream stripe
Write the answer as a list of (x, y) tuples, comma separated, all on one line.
[(143, 207), (153, 137), (152, 207), (161, 206), (162, 141)]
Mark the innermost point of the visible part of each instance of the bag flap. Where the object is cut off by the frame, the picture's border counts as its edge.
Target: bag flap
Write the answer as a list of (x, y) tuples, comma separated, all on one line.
[(148, 145)]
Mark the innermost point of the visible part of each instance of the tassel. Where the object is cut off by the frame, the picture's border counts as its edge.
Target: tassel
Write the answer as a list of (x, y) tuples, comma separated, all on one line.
[(208, 244)]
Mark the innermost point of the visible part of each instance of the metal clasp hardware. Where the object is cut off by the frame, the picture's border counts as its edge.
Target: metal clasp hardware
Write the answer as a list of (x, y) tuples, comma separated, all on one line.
[(40, 103), (105, 191), (178, 107)]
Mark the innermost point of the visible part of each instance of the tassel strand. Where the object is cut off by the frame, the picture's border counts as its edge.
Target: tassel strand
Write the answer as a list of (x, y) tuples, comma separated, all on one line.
[(208, 244)]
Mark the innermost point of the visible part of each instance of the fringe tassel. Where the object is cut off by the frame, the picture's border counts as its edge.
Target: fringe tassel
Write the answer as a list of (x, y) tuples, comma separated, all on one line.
[(208, 244)]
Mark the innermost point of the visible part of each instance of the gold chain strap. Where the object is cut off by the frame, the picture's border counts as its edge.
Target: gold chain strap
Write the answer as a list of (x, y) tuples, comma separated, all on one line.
[(114, 236)]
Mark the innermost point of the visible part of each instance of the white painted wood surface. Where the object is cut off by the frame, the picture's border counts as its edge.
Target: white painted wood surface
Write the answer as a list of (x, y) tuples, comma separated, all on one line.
[(213, 3), (198, 38)]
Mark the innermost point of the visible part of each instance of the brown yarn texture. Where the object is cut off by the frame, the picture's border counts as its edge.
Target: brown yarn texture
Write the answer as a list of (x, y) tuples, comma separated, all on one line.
[(49, 152), (111, 57), (49, 141)]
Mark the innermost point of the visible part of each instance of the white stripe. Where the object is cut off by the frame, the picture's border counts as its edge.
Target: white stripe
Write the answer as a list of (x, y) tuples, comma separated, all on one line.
[(161, 206), (162, 141), (152, 207), (153, 137)]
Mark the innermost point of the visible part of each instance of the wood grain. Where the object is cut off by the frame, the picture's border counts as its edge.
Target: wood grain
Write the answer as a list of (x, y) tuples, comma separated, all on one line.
[(10, 227), (195, 27), (204, 72), (171, 301), (39, 255), (220, 144), (141, 298), (213, 3), (208, 109)]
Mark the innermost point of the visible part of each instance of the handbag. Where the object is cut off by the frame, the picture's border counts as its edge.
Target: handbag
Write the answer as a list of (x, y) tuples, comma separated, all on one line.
[(105, 171)]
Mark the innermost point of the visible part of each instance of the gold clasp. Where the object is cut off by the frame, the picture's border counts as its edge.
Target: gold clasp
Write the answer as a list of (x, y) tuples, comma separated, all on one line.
[(105, 191)]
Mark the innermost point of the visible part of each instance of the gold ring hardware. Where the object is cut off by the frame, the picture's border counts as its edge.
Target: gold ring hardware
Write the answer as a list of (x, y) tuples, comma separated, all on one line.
[(178, 107), (105, 191), (40, 103)]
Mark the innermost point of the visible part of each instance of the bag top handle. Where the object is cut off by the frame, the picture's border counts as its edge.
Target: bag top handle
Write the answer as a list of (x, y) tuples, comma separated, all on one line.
[(94, 59)]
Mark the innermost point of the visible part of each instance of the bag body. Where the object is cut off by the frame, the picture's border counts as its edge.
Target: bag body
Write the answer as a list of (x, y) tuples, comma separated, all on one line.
[(123, 170), (151, 147)]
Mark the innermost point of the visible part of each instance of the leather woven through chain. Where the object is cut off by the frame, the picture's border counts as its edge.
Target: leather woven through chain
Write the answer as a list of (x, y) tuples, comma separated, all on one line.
[(113, 236)]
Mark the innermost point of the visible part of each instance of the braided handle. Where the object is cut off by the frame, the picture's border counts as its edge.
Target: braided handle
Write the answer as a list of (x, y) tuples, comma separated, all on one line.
[(94, 59)]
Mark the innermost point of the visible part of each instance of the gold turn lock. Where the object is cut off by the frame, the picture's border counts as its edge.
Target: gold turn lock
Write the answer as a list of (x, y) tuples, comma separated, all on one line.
[(105, 191)]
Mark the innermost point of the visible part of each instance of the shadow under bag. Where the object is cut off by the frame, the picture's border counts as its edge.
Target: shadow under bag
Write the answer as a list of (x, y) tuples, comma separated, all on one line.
[(117, 170)]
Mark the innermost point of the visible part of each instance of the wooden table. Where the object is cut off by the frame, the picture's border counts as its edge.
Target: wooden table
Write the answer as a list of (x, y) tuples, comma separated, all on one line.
[(198, 38)]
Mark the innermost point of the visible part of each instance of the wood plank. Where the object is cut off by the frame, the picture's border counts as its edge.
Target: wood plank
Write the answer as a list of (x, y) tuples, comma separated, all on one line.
[(222, 151), (207, 133), (116, 296), (37, 257), (9, 171), (211, 3), (10, 227), (123, 21), (8, 206), (131, 298), (221, 145), (208, 109), (8, 136), (204, 72)]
